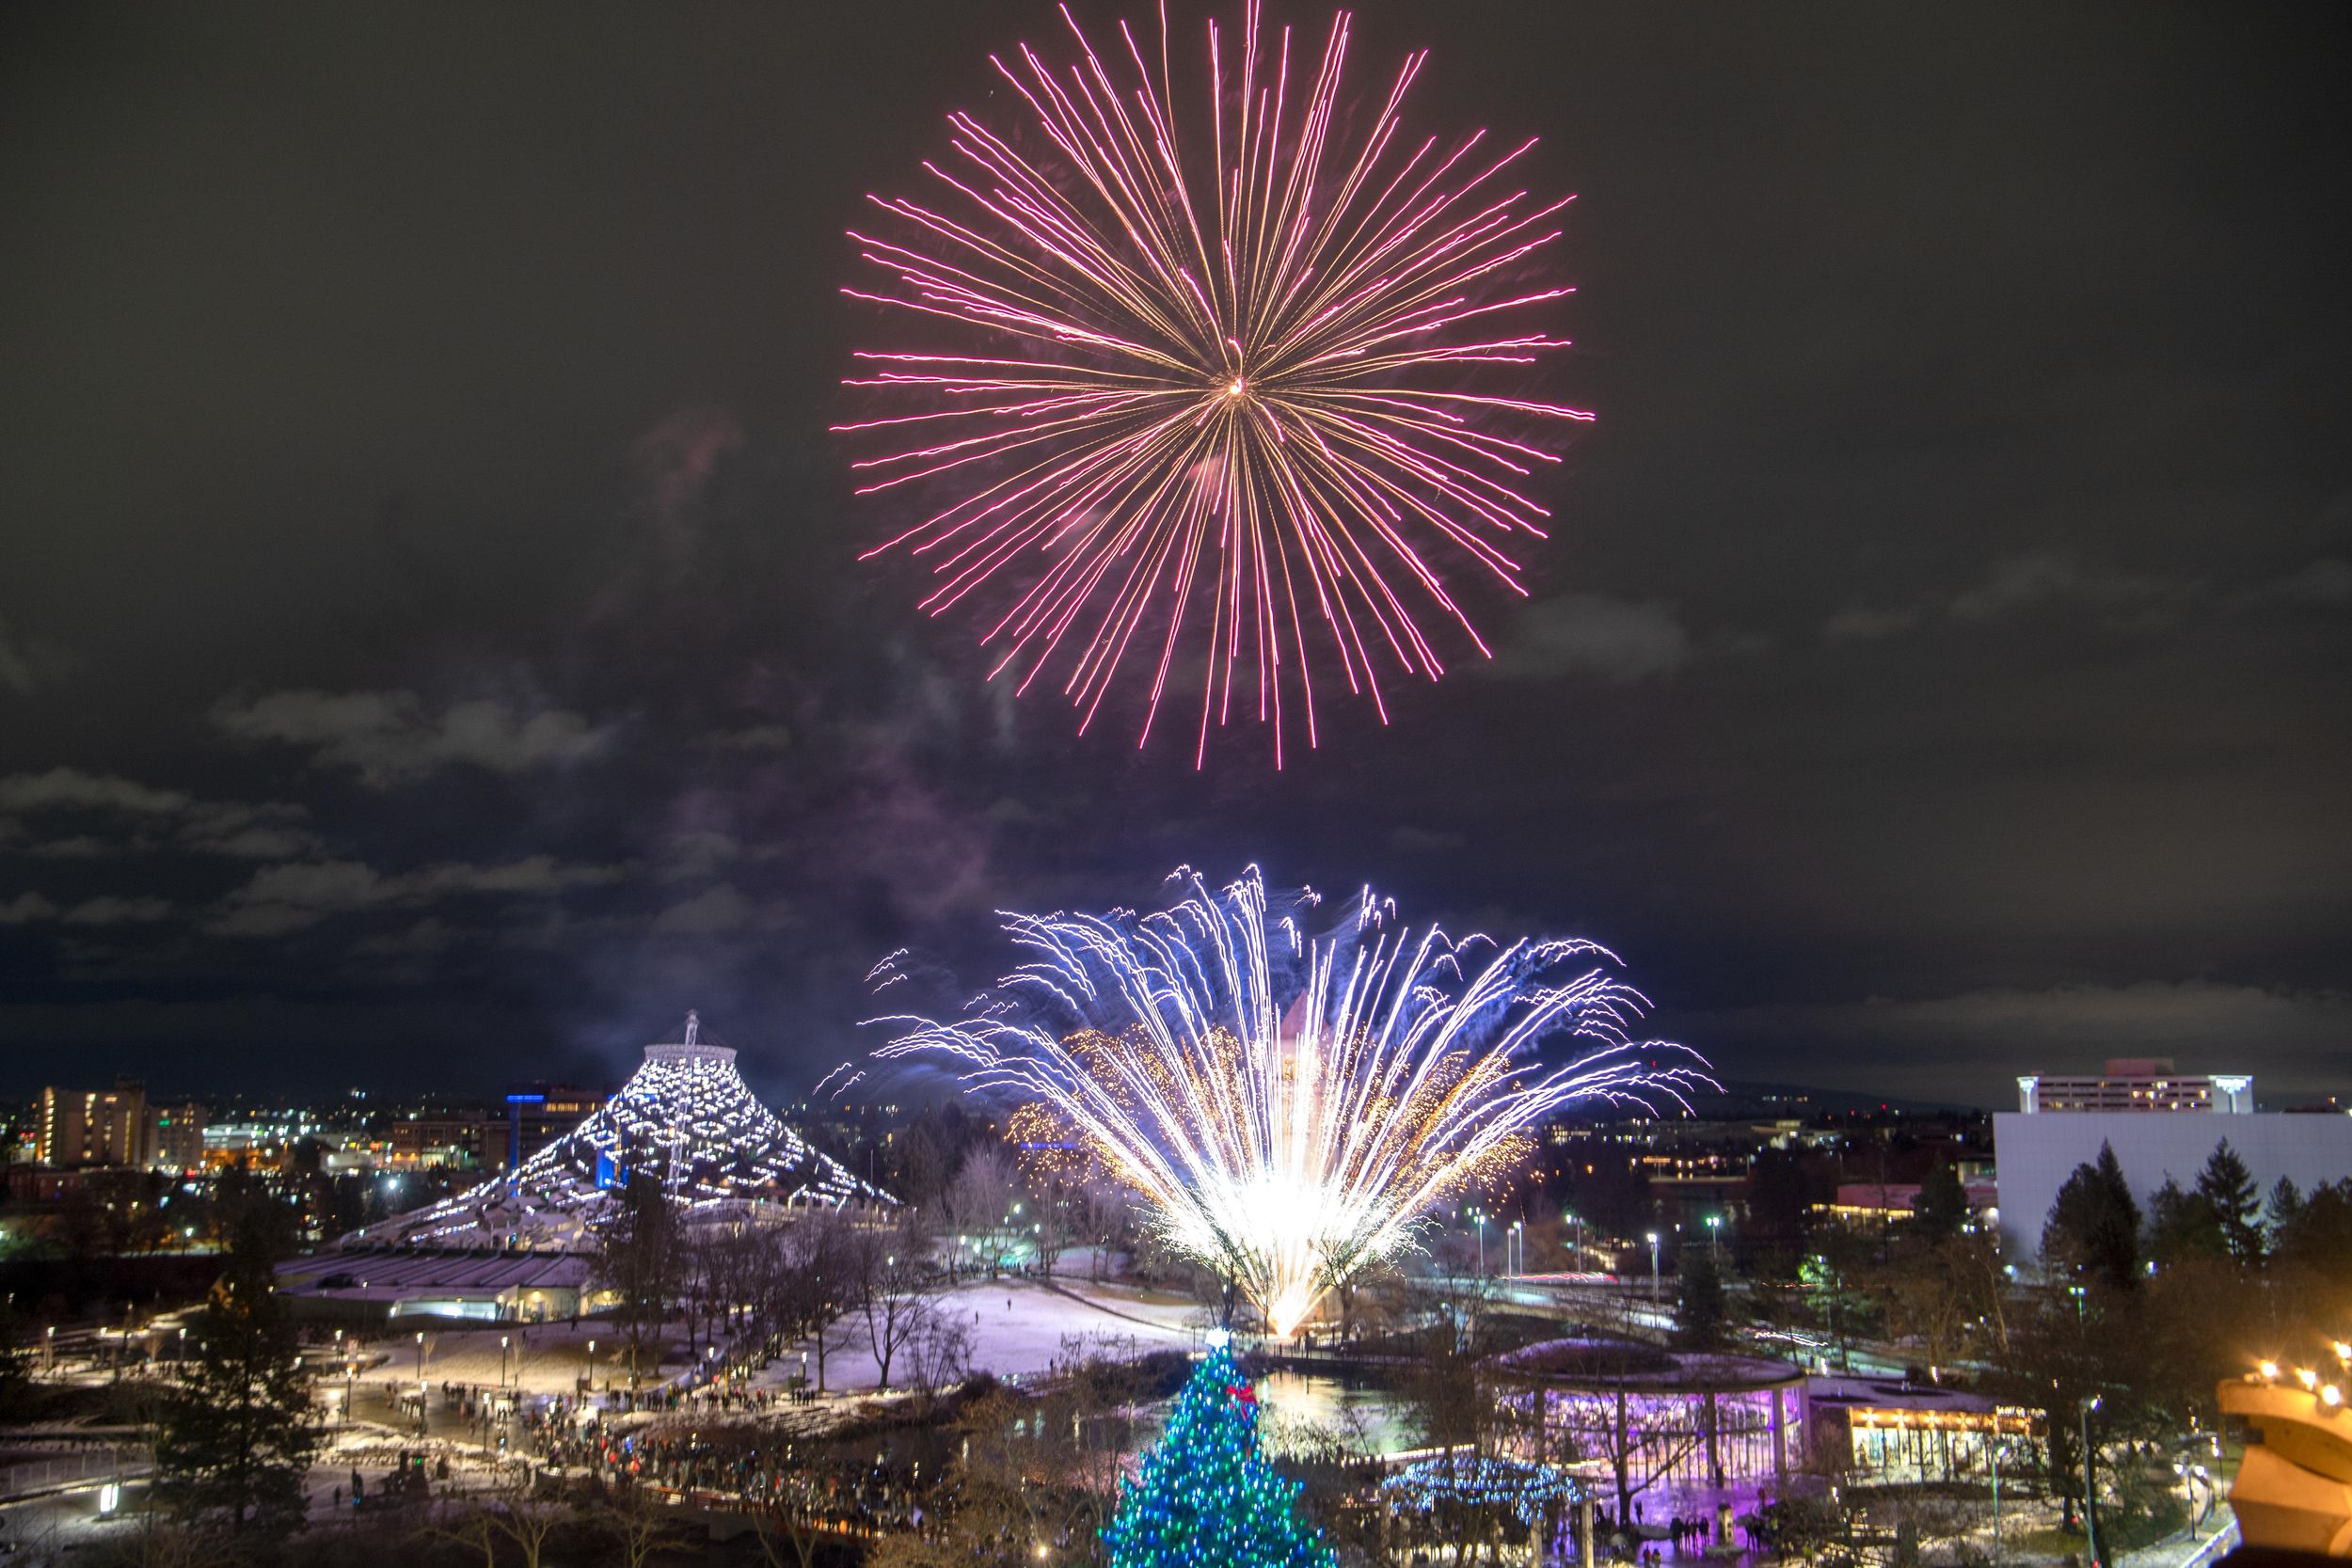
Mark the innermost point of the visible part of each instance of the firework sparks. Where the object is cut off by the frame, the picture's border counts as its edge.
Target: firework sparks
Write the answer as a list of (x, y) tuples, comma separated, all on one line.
[(1290, 1106), (1236, 392)]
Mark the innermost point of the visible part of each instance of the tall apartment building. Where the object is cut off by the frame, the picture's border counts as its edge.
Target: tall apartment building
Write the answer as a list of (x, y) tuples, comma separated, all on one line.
[(2136, 1084), (94, 1126), (175, 1136)]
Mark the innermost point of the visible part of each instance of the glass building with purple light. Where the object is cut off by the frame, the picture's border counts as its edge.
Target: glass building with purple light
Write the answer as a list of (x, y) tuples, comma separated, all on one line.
[(1656, 1430)]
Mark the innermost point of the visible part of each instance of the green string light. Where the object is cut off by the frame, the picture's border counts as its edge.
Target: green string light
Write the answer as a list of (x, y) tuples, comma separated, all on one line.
[(1205, 1497)]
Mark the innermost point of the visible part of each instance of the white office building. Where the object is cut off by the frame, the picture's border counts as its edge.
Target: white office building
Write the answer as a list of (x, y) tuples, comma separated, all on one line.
[(2161, 1124)]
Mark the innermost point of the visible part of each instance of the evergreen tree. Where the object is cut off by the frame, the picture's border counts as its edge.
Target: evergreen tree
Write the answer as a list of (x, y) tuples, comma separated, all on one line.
[(1941, 1211), (2284, 1209), (237, 1435), (2319, 1238), (1701, 1312), (1205, 1496), (639, 1258), (2182, 1225), (2093, 1227), (2229, 1187)]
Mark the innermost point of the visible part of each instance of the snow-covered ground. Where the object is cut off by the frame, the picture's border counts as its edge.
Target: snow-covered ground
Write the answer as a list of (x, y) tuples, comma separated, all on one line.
[(538, 1358), (1020, 1328)]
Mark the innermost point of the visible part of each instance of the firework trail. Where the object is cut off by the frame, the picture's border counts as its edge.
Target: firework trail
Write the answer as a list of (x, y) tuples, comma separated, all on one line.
[(1289, 1106), (1220, 375)]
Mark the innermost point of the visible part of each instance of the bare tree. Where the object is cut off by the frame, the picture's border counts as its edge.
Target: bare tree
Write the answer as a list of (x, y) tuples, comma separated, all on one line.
[(1103, 1210), (513, 1512), (979, 1205), (1440, 1386), (812, 1275), (639, 1523), (1034, 1474), (938, 1351), (897, 1287), (1606, 1417)]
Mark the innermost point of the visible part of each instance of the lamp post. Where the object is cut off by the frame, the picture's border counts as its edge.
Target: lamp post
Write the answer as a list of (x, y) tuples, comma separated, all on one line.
[(1576, 1264), (421, 1357), (1715, 1239), (502, 1340), (592, 1366), (2090, 1497), (1519, 1249), (1653, 1268), (1480, 1216)]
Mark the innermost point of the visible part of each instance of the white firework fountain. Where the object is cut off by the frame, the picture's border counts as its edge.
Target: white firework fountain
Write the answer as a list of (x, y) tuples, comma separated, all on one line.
[(685, 1118)]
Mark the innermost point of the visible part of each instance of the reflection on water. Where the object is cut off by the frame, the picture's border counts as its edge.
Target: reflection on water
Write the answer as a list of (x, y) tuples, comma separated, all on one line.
[(1307, 1411)]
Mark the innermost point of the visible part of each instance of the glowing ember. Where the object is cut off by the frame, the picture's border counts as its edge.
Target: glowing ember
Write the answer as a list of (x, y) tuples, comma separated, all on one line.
[(1237, 391), (1288, 1105)]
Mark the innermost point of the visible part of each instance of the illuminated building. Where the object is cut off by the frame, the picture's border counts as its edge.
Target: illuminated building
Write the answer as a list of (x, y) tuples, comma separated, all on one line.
[(175, 1138), (2294, 1488), (449, 1141), (2161, 1124), (1678, 1425), (686, 1118), (522, 1245), (2146, 1084), (94, 1126), (539, 1114)]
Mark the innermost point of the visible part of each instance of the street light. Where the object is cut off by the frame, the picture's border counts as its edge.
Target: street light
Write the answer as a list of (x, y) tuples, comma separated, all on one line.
[(1715, 1238), (2090, 1493), (420, 1358), (1480, 1215), (501, 1360), (1653, 1268), (592, 1366), (1518, 1244)]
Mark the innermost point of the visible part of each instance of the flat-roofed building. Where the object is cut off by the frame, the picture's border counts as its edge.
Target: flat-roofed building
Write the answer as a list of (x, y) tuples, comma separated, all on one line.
[(2135, 1084), (539, 1114), (93, 1126), (452, 1142), (2162, 1124), (175, 1136)]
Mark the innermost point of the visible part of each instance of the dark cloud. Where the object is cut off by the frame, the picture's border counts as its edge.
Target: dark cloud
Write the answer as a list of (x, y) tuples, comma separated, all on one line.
[(30, 665), (392, 738), (16, 665), (138, 817), (2327, 583), (2041, 578), (71, 789), (281, 899), (112, 910), (1589, 634), (27, 907)]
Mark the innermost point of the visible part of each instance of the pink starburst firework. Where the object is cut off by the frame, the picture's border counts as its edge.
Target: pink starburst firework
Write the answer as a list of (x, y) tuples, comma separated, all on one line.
[(1241, 396)]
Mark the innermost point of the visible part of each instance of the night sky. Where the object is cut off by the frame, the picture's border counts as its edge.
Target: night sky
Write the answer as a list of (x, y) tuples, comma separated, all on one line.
[(432, 650)]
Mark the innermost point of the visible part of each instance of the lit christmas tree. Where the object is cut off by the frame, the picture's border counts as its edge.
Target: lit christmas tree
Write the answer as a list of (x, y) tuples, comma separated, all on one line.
[(1206, 1497)]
